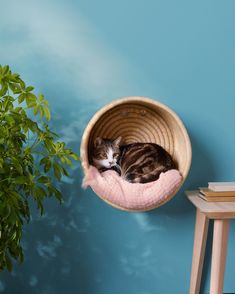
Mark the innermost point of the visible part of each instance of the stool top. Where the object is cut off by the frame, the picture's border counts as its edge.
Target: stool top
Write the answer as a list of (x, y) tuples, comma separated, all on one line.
[(214, 210)]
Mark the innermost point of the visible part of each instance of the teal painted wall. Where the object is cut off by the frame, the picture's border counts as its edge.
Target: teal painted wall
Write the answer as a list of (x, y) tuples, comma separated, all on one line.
[(83, 54)]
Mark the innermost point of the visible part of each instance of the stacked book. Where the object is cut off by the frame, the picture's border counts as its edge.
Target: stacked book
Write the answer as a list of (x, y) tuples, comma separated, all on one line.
[(218, 191)]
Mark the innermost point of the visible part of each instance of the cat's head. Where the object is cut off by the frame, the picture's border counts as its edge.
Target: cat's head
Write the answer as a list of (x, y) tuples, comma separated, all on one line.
[(106, 152)]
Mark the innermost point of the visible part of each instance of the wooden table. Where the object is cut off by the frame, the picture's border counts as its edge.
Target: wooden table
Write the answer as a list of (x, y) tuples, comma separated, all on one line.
[(221, 213)]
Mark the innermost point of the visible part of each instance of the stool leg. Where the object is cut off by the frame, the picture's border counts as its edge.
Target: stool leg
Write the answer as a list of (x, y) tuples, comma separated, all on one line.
[(219, 251), (200, 238)]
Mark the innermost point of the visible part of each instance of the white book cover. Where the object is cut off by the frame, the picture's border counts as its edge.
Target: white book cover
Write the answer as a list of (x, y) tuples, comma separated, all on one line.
[(221, 186)]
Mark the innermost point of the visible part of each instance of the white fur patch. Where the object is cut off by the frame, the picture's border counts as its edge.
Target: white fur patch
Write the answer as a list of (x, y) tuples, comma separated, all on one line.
[(110, 155), (108, 162)]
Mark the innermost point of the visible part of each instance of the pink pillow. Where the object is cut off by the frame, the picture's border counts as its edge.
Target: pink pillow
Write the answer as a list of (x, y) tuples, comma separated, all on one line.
[(115, 190)]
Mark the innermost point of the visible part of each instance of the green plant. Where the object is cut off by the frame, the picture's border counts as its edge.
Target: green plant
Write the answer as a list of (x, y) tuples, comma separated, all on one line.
[(31, 160)]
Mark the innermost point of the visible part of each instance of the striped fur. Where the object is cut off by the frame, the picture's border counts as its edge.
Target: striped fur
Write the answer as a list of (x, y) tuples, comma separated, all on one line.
[(136, 162)]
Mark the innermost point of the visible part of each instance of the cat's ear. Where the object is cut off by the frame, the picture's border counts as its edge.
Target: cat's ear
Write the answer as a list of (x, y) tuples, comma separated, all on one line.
[(98, 141), (117, 141)]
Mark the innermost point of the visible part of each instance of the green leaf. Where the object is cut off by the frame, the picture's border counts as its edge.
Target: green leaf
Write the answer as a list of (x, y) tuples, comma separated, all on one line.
[(41, 110), (67, 160), (64, 171), (57, 171), (43, 179), (29, 155), (8, 105), (16, 89), (21, 255), (74, 156), (29, 89), (13, 77), (40, 98), (58, 195), (22, 84), (56, 192), (5, 69), (45, 102), (39, 193), (13, 237), (3, 89), (9, 119), (46, 112), (20, 180), (8, 263), (17, 165), (47, 163), (44, 160), (21, 97), (31, 100), (36, 109), (47, 166)]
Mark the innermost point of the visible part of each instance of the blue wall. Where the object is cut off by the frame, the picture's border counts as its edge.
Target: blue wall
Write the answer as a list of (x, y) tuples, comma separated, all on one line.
[(83, 54)]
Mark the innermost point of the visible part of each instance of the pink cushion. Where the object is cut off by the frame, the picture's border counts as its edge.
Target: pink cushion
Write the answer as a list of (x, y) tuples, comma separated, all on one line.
[(111, 187)]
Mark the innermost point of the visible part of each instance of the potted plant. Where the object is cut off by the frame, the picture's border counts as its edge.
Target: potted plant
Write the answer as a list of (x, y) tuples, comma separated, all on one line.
[(32, 160)]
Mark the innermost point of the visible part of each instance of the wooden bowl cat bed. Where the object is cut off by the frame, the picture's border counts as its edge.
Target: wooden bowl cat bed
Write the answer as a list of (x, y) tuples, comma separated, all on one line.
[(139, 119)]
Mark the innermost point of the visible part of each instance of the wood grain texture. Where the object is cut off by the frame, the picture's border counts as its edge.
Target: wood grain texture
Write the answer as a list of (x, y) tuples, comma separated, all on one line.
[(219, 252), (200, 238), (221, 212), (213, 210)]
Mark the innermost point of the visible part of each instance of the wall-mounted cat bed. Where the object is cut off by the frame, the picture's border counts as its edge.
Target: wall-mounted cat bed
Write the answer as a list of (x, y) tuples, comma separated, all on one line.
[(139, 119)]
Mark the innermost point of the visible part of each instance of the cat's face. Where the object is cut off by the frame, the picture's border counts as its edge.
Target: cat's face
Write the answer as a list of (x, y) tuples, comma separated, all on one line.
[(106, 152)]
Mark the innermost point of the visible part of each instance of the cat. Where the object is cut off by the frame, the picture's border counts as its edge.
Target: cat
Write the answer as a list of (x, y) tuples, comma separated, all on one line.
[(136, 162)]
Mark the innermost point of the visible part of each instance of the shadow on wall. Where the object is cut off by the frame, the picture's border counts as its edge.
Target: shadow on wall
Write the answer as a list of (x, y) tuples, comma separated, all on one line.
[(202, 170), (65, 249), (70, 242)]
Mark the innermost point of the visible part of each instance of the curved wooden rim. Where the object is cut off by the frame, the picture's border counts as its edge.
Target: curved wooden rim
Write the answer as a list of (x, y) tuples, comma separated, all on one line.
[(150, 102)]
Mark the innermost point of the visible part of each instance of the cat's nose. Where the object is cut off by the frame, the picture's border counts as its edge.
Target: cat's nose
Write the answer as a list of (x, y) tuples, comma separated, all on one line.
[(110, 162)]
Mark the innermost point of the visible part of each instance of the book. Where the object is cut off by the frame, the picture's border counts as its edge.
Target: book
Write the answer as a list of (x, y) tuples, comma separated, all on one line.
[(210, 193), (221, 186), (217, 198)]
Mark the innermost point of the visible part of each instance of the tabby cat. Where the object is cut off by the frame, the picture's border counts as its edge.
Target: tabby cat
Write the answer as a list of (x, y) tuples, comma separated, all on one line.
[(136, 162)]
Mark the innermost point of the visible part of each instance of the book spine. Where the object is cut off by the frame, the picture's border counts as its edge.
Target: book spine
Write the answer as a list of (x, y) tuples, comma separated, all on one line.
[(221, 188)]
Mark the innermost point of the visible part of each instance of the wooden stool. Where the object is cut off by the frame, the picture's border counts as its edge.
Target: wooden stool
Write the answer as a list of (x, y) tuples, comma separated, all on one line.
[(221, 213)]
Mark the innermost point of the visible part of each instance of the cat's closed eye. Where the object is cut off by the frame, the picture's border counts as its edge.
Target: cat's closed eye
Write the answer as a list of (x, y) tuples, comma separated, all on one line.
[(101, 155)]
